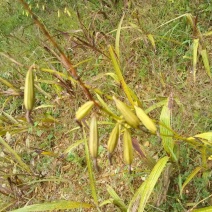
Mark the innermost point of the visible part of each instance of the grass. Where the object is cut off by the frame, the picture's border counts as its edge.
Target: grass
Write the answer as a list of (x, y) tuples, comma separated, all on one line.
[(151, 74)]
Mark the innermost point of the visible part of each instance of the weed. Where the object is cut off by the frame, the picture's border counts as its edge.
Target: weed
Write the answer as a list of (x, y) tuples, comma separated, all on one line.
[(156, 46)]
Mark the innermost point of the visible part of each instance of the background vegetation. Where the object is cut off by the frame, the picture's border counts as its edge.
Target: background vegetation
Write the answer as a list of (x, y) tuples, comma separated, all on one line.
[(48, 161)]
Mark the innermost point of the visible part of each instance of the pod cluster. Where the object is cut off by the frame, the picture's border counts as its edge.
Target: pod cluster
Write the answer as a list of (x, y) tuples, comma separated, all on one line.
[(130, 120)]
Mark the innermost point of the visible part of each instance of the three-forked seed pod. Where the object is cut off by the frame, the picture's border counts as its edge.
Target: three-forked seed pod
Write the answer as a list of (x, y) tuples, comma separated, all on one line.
[(84, 110), (128, 115), (112, 142), (29, 93), (128, 148), (94, 140), (147, 122)]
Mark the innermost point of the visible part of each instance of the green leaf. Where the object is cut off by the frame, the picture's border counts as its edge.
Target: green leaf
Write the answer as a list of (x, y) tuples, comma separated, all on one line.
[(195, 49), (60, 74), (57, 205), (118, 38), (119, 74), (155, 106), (145, 190), (189, 178), (165, 128), (74, 145), (16, 156), (116, 199), (13, 120), (44, 106), (205, 138), (206, 62), (105, 202), (114, 76), (8, 84), (90, 170)]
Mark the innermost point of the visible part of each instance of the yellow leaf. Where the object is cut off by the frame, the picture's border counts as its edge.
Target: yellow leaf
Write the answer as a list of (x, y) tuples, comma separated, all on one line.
[(195, 49), (206, 62), (54, 206), (152, 40), (165, 129)]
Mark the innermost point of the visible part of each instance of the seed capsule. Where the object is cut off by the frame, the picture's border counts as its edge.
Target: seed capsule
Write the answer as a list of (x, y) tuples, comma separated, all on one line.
[(93, 138), (128, 148), (147, 122), (29, 93), (113, 140), (84, 110), (128, 115)]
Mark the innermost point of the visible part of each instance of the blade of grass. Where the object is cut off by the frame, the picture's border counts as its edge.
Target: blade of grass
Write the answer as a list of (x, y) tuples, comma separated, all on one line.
[(152, 41), (120, 76), (117, 50), (155, 106), (90, 170), (8, 84), (116, 199), (195, 50), (44, 106), (13, 120), (207, 209), (73, 146), (38, 87), (11, 59), (60, 74), (189, 178), (114, 76), (15, 155), (174, 19)]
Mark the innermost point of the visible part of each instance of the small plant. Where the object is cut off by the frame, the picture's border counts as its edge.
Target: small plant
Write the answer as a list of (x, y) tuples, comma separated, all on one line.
[(123, 111)]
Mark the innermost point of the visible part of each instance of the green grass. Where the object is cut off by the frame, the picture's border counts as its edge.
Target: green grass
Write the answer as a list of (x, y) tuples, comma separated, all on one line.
[(151, 74)]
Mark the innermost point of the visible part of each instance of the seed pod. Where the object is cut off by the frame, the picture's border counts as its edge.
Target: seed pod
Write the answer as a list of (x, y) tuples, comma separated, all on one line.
[(94, 137), (29, 93), (84, 110), (147, 122), (128, 115), (113, 140), (128, 148)]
